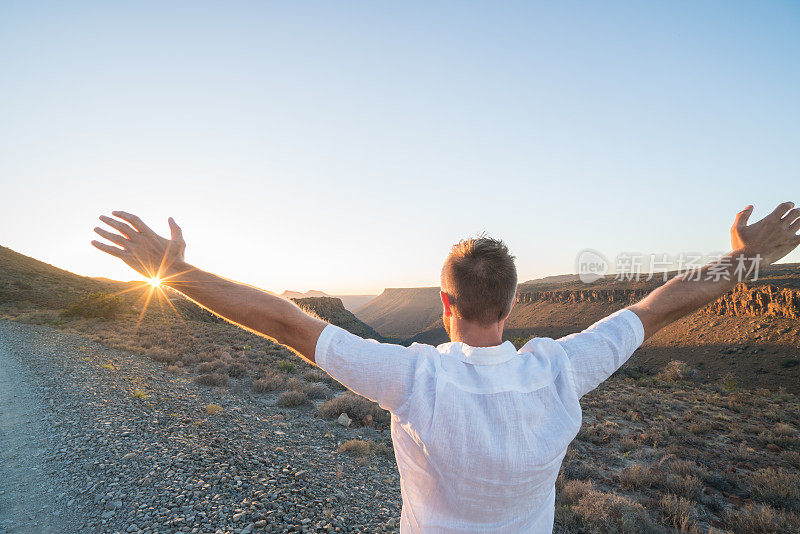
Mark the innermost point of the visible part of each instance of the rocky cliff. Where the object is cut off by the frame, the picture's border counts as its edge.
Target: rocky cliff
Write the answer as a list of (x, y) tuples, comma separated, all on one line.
[(574, 296), (767, 300), (758, 301)]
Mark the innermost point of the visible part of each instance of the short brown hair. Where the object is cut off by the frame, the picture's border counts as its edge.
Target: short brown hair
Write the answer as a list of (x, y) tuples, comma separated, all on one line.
[(480, 278)]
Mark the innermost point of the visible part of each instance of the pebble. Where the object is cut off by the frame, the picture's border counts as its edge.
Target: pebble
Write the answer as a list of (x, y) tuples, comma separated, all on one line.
[(177, 476)]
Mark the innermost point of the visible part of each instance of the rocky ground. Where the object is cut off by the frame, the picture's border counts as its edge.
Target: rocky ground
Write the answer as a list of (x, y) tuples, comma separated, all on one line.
[(101, 440), (105, 426)]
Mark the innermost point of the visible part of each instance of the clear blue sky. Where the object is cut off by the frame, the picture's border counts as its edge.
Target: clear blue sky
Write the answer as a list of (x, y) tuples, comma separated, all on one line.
[(344, 146)]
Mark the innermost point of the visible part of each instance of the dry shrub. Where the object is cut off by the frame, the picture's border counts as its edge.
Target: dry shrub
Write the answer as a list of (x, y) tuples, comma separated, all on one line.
[(627, 444), (212, 379), (356, 407), (684, 485), (591, 510), (174, 369), (579, 469), (700, 427), (674, 371), (784, 430), (213, 409), (211, 366), (761, 519), (776, 486), (41, 317), (271, 381), (680, 467), (677, 511), (297, 384), (365, 447), (286, 366), (318, 390), (290, 399), (636, 477), (357, 447), (316, 375), (571, 491), (100, 305), (162, 355), (189, 359), (792, 458), (237, 369)]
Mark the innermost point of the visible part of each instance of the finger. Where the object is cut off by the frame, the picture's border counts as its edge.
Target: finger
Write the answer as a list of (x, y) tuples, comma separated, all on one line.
[(114, 238), (175, 230), (114, 251), (781, 210), (742, 217), (123, 228), (134, 221), (791, 215)]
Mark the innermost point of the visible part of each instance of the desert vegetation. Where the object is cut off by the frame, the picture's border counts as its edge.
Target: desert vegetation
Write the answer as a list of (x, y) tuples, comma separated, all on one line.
[(660, 449)]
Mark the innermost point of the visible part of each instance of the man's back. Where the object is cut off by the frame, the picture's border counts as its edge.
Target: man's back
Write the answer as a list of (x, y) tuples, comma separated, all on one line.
[(480, 432)]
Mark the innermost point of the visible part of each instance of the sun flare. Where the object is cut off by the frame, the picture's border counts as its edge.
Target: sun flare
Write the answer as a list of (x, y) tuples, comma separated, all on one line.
[(154, 282)]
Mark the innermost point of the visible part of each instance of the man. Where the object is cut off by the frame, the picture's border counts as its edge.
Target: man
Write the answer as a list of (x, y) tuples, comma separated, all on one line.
[(479, 428)]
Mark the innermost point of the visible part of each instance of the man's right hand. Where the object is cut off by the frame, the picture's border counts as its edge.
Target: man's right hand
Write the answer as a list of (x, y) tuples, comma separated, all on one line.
[(142, 249), (755, 245), (771, 238)]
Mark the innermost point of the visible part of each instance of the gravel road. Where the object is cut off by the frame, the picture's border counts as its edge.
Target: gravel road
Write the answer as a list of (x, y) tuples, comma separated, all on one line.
[(100, 440)]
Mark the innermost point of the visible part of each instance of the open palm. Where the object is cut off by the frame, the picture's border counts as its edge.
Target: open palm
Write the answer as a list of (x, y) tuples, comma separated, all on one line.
[(773, 237), (140, 247)]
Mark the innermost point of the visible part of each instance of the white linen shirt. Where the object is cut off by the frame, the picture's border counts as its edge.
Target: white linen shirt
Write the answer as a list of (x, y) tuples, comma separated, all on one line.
[(480, 432)]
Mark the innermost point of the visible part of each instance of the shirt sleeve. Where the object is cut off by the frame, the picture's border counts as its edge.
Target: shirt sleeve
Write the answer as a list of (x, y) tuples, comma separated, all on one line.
[(381, 372), (597, 352)]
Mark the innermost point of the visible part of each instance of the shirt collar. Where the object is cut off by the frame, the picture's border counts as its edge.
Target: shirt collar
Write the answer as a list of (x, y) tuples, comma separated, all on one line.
[(479, 355)]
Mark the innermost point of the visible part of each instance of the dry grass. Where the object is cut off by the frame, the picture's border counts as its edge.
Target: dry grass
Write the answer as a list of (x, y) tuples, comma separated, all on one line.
[(269, 382), (213, 409), (586, 509), (761, 519), (212, 379), (677, 511), (693, 460), (659, 450), (636, 477), (356, 407), (775, 486), (674, 371), (365, 448), (291, 399)]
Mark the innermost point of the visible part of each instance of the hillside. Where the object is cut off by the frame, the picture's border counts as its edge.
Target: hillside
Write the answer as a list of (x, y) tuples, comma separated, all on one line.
[(402, 312), (28, 285), (332, 310), (27, 282)]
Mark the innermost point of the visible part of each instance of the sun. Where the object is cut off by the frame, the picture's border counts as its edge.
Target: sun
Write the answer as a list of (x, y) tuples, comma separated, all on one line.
[(154, 282)]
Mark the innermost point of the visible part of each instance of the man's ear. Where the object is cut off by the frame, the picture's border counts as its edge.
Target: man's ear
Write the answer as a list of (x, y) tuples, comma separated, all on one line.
[(446, 303)]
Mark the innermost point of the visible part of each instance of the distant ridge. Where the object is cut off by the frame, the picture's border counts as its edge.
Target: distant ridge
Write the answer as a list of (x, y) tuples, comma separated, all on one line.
[(297, 295), (402, 312), (350, 302)]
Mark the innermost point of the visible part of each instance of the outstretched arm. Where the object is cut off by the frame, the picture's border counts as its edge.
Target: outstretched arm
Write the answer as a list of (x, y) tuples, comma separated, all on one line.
[(156, 257), (753, 246)]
